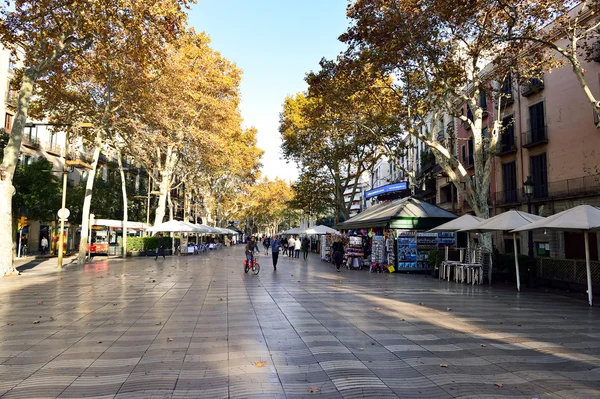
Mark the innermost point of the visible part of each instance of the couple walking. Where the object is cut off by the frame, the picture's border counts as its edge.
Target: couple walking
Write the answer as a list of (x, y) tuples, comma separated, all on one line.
[(295, 245)]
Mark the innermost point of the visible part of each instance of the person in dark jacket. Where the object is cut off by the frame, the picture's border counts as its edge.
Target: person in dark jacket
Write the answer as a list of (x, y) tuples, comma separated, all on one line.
[(305, 247), (337, 256)]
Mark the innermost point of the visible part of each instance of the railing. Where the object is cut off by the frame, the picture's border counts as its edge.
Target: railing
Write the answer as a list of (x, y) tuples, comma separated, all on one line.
[(533, 86), (32, 142), (569, 188), (508, 196), (52, 148), (79, 156), (535, 137), (11, 99), (507, 144), (569, 270)]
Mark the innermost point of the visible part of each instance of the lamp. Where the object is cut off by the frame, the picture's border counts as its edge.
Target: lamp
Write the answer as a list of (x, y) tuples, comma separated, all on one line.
[(528, 187)]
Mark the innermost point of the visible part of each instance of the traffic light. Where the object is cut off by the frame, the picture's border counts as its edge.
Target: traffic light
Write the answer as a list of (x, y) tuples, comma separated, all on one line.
[(22, 222)]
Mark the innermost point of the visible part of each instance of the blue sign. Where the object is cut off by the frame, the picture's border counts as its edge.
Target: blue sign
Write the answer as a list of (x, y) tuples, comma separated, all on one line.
[(390, 188)]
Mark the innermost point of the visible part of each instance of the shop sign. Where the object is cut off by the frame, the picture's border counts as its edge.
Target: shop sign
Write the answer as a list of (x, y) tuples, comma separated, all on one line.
[(390, 188)]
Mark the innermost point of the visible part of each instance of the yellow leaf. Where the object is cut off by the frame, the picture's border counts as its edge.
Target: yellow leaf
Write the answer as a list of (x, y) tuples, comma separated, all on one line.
[(261, 363)]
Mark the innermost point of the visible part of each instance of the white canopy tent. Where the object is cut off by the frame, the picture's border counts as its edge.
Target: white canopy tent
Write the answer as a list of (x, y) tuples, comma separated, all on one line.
[(319, 230), (510, 220), (582, 218)]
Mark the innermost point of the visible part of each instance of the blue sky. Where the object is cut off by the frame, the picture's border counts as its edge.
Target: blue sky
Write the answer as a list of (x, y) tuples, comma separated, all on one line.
[(275, 42)]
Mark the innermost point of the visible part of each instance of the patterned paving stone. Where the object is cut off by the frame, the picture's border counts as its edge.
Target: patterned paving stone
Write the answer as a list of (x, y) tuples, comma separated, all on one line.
[(108, 331)]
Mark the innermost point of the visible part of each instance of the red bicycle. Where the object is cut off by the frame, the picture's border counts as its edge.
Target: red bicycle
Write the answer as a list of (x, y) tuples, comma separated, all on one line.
[(254, 265)]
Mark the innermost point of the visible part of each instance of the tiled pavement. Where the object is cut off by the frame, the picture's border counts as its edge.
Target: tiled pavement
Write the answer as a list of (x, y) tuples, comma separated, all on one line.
[(194, 327)]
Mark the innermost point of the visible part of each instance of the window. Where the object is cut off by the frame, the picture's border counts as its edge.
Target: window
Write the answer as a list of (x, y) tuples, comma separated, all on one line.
[(464, 154), (507, 140), (507, 86), (483, 99), (470, 160), (537, 123), (539, 174), (469, 113), (509, 180), (8, 122), (542, 248)]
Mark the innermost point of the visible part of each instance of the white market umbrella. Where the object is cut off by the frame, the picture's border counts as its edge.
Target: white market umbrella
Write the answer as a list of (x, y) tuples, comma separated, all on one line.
[(510, 220), (203, 229), (463, 222), (319, 230), (582, 218), (173, 226), (294, 230)]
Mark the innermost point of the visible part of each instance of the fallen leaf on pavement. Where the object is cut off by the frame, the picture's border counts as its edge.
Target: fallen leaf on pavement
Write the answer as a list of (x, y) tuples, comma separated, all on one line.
[(377, 308), (362, 349), (499, 384), (448, 309), (99, 342), (313, 390), (220, 299), (443, 365), (40, 302), (169, 339), (36, 322), (10, 324), (483, 345), (261, 363), (159, 323), (421, 303)]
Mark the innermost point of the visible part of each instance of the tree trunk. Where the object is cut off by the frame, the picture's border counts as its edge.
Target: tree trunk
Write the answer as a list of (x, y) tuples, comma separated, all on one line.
[(170, 201), (124, 192), (87, 204), (166, 175), (6, 228), (7, 169)]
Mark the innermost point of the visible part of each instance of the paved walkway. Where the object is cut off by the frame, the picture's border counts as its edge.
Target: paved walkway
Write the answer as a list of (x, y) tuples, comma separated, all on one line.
[(198, 327)]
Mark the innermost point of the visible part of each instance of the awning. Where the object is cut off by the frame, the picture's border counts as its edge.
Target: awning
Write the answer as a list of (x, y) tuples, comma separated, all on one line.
[(406, 213), (295, 230)]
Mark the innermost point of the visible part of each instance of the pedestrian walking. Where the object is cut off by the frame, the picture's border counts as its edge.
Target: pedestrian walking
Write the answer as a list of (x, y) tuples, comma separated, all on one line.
[(275, 244), (284, 245), (337, 253), (305, 247), (267, 244), (297, 246), (160, 251), (291, 246), (44, 244)]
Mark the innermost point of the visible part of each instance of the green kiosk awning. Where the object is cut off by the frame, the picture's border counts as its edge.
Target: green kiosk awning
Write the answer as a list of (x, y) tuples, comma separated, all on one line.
[(407, 213)]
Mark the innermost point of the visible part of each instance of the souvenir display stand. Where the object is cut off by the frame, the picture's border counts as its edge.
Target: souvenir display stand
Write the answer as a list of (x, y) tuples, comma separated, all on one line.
[(378, 259), (414, 247), (354, 252), (390, 250)]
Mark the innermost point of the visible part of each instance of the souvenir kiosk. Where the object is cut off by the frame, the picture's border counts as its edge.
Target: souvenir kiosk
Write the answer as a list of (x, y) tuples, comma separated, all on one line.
[(405, 243)]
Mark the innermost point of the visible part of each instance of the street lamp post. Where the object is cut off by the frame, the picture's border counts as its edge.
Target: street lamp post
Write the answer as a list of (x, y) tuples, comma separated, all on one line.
[(529, 186)]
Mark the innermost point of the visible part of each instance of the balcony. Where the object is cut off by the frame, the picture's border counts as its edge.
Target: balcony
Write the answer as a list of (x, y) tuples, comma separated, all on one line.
[(533, 86), (102, 158), (511, 196), (506, 99), (468, 162), (507, 145), (535, 137), (52, 148), (79, 156), (31, 142), (11, 99)]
